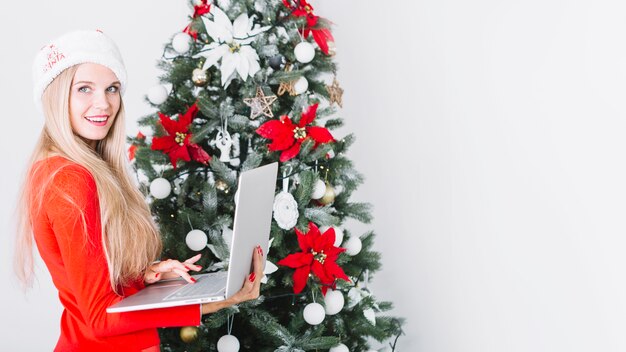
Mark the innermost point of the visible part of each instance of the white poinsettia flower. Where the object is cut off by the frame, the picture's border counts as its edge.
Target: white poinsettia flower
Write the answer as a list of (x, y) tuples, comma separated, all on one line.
[(232, 45), (269, 266)]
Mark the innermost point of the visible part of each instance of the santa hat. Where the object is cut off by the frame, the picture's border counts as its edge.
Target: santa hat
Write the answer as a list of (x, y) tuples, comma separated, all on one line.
[(72, 49)]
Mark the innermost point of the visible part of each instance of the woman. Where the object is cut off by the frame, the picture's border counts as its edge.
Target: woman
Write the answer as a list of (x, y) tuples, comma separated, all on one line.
[(91, 226)]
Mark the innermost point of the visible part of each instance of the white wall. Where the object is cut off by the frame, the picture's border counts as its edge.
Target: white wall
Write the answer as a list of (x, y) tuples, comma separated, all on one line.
[(490, 134)]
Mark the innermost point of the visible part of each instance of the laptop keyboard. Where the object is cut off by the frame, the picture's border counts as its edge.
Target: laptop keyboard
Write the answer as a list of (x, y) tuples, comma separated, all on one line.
[(205, 286)]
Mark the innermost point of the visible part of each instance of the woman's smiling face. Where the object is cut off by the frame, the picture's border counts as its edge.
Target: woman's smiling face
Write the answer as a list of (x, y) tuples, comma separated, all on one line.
[(94, 102)]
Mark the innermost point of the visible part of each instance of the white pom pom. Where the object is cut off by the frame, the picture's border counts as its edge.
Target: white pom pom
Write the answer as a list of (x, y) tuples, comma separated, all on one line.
[(319, 189), (304, 52), (333, 302), (157, 94), (338, 234), (228, 343), (196, 240), (353, 245), (181, 43), (339, 348), (314, 313), (301, 85), (160, 188)]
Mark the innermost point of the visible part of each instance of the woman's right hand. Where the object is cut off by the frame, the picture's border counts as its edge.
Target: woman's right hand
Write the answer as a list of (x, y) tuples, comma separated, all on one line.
[(171, 269), (250, 290)]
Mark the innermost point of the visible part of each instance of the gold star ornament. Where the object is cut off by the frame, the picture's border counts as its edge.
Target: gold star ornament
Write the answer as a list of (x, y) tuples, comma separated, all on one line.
[(287, 86), (261, 104), (335, 93)]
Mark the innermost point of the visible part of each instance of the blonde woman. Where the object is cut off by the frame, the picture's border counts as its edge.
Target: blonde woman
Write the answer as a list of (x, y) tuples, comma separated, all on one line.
[(91, 225)]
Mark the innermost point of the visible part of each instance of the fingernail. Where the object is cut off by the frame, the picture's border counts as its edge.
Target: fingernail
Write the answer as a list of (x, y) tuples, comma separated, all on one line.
[(252, 277), (156, 275), (188, 268), (193, 280), (260, 250)]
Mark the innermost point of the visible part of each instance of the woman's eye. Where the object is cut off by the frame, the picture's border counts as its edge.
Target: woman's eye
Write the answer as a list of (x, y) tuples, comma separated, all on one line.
[(113, 89), (83, 89)]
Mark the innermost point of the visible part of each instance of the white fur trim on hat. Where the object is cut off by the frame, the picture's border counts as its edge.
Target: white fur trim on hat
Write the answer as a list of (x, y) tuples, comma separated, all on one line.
[(72, 49)]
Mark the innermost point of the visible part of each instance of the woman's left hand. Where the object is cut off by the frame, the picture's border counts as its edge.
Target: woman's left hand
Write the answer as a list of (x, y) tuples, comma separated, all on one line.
[(171, 269)]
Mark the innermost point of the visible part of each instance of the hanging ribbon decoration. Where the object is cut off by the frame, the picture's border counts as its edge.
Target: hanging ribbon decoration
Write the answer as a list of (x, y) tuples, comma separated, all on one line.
[(321, 35), (198, 10)]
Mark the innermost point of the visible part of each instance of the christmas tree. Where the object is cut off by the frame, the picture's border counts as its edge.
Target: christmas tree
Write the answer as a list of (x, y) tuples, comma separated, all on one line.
[(248, 83)]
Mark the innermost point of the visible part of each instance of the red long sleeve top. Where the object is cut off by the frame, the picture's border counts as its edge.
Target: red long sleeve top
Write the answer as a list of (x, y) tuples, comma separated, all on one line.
[(76, 261)]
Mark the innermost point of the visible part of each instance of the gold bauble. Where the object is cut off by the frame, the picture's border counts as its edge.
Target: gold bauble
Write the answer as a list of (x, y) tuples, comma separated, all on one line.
[(199, 77), (329, 195), (221, 185), (332, 49), (189, 334)]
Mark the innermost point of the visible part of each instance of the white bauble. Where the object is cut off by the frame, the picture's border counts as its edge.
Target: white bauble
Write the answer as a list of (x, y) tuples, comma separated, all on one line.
[(227, 235), (333, 302), (339, 348), (160, 188), (338, 234), (157, 94), (305, 52), (196, 240), (181, 43), (314, 313), (301, 85), (319, 189), (177, 184), (353, 245), (228, 343)]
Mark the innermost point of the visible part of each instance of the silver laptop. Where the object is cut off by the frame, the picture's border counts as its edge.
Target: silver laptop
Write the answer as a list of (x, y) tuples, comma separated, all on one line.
[(253, 216)]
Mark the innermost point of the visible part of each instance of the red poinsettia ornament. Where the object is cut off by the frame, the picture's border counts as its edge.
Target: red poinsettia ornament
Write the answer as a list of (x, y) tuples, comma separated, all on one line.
[(288, 137), (318, 256), (133, 148), (177, 144), (198, 10), (321, 35)]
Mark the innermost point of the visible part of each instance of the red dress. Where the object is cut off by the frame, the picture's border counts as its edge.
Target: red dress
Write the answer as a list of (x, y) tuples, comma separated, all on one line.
[(75, 259)]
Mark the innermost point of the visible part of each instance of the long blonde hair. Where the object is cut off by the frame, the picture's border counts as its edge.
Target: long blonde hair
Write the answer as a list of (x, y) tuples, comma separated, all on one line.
[(129, 235)]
